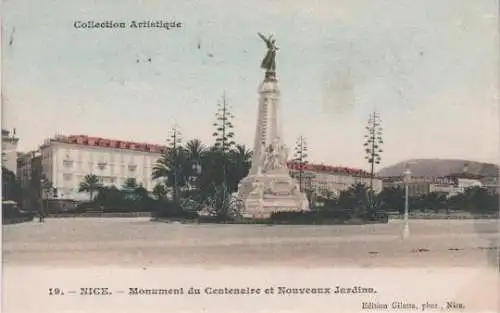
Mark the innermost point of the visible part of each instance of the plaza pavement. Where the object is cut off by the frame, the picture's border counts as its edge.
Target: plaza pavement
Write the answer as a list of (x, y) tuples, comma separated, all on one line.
[(444, 259), (133, 241)]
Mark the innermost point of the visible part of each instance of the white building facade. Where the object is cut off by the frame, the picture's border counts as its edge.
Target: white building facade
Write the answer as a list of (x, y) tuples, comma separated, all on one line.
[(66, 160), (9, 150), (26, 164), (450, 185), (328, 180)]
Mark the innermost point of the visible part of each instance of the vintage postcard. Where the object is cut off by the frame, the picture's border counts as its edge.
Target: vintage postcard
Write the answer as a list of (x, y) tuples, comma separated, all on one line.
[(254, 156)]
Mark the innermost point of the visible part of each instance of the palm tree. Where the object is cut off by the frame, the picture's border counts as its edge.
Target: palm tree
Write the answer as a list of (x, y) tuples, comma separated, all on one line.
[(176, 168), (212, 174), (195, 152), (172, 168), (90, 184), (240, 161)]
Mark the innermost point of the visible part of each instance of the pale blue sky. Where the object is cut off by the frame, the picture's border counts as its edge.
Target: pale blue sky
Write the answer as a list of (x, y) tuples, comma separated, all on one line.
[(430, 67)]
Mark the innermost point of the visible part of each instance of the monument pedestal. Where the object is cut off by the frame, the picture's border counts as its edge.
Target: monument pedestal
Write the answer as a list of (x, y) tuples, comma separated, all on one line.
[(264, 194)]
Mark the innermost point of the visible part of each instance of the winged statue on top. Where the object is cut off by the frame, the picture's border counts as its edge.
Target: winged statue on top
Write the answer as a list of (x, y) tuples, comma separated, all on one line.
[(269, 61)]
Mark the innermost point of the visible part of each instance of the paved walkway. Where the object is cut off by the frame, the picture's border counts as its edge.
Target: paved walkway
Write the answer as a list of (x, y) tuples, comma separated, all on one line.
[(441, 261), (130, 241)]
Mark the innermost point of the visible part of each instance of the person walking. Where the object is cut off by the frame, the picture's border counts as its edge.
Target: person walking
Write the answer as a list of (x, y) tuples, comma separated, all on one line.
[(41, 213)]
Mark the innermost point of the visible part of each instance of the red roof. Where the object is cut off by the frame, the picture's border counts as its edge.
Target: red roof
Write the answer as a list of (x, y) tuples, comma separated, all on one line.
[(109, 143)]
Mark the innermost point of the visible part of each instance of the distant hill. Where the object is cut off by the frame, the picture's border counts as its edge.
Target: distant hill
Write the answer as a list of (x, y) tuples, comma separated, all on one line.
[(440, 167)]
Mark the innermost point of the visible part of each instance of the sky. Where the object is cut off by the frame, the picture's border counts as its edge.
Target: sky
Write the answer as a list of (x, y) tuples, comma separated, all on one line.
[(429, 67)]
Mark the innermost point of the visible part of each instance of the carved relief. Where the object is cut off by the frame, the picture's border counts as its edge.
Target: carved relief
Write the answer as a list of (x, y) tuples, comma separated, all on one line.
[(274, 157)]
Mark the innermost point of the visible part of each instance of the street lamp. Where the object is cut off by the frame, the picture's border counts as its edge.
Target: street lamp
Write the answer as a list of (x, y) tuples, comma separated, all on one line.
[(406, 227), (42, 204)]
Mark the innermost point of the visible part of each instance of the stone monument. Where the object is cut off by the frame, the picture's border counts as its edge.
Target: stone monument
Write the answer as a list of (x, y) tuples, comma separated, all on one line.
[(269, 187)]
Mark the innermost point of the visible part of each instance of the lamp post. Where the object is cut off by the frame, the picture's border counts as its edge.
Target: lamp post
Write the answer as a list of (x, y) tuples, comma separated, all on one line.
[(406, 227), (42, 192)]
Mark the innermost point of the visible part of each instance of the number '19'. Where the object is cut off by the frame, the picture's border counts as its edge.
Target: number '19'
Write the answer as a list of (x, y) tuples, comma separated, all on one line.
[(54, 291)]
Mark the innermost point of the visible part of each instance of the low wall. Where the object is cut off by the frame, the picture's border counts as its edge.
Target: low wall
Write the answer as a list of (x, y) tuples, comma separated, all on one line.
[(8, 221), (267, 222), (453, 216), (100, 214)]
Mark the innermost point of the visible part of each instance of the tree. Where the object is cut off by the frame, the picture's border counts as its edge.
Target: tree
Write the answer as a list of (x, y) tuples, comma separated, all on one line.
[(130, 184), (90, 184), (136, 195), (391, 199), (212, 178), (141, 196), (434, 201), (224, 205), (172, 167), (177, 154), (195, 152), (47, 186), (129, 187), (223, 134), (327, 200), (160, 191), (110, 197), (300, 157), (11, 186), (240, 161), (211, 174), (477, 200), (373, 150), (355, 199), (34, 184)]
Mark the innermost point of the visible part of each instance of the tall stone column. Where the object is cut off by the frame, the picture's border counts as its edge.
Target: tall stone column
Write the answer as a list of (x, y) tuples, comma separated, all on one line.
[(269, 187), (267, 128)]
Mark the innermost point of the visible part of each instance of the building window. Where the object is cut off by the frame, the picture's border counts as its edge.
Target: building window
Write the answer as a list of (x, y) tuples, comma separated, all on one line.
[(67, 177), (101, 165), (68, 163), (132, 167)]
